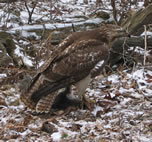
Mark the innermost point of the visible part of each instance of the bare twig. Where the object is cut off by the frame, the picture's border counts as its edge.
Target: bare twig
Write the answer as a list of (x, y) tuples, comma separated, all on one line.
[(51, 7), (8, 4), (114, 10), (73, 28), (145, 28), (30, 12), (124, 58)]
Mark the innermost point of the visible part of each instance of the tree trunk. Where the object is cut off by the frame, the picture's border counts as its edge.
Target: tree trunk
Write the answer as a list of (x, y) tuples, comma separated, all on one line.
[(135, 26)]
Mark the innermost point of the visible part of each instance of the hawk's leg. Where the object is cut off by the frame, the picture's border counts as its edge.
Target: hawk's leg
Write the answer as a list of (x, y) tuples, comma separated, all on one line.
[(89, 103), (78, 92), (81, 87), (80, 97)]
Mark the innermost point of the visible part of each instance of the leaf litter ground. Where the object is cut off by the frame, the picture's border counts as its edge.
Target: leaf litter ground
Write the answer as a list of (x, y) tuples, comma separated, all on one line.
[(122, 111)]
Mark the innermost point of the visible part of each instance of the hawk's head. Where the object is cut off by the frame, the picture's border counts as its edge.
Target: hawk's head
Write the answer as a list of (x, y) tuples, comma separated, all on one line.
[(111, 32)]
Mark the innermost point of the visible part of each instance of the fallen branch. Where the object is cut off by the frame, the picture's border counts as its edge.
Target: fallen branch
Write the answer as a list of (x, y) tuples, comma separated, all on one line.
[(134, 24)]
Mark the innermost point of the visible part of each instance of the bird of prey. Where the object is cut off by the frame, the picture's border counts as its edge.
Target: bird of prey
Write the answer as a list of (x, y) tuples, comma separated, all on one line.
[(74, 62)]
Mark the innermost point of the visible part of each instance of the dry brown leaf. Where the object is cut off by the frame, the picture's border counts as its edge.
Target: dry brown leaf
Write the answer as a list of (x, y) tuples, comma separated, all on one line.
[(133, 84), (117, 94), (102, 140), (27, 120), (53, 120), (149, 80), (125, 85), (105, 103), (120, 68), (49, 128), (148, 76), (2, 101), (18, 128), (76, 127)]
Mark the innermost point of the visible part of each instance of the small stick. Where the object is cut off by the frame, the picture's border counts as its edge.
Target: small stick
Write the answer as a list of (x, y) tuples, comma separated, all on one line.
[(145, 29)]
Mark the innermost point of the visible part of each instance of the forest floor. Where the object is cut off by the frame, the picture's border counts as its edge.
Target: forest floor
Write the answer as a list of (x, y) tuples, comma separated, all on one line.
[(123, 99)]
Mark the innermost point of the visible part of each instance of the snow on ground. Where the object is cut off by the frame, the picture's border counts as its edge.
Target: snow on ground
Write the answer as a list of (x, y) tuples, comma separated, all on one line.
[(63, 11), (26, 59), (3, 75), (64, 14), (122, 111)]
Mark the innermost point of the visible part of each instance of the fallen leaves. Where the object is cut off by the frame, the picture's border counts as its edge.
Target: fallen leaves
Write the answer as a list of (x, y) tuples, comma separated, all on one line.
[(2, 101), (149, 78), (75, 127), (49, 128), (18, 128)]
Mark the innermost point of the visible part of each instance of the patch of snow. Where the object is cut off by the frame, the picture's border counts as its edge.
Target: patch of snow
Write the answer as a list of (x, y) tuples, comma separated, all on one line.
[(53, 26), (123, 90), (56, 136), (26, 60), (138, 74), (3, 75), (140, 4), (148, 33), (112, 94), (113, 78), (125, 101), (96, 109), (40, 64), (95, 21), (29, 34)]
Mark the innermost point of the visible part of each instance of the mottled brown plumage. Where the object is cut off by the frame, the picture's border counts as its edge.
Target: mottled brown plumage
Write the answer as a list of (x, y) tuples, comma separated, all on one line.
[(80, 57)]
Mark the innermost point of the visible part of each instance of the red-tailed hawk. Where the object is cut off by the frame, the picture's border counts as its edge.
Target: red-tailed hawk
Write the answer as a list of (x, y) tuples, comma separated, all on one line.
[(78, 58)]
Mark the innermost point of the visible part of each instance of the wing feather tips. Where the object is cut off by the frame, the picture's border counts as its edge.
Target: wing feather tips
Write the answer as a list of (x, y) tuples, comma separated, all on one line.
[(27, 101), (45, 103)]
